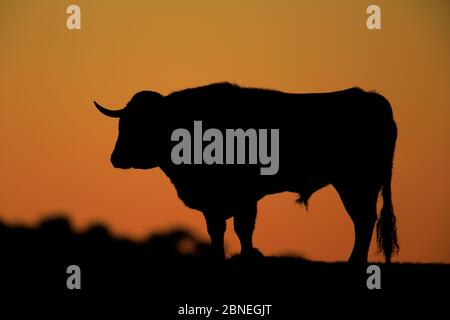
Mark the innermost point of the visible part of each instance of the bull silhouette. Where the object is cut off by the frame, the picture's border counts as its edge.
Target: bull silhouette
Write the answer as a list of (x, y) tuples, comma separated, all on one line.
[(344, 138)]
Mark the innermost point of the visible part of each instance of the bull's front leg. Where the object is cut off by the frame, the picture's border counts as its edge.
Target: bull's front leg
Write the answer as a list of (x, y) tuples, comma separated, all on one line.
[(244, 224), (216, 225)]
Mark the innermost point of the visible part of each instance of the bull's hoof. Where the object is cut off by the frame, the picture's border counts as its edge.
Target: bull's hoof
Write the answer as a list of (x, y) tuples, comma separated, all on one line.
[(357, 266), (216, 255), (251, 253)]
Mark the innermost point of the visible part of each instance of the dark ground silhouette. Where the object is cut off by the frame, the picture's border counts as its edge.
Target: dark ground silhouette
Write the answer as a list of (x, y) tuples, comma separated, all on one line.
[(174, 268)]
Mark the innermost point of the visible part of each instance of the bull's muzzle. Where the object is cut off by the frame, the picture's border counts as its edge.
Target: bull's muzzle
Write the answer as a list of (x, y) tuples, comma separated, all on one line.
[(117, 162)]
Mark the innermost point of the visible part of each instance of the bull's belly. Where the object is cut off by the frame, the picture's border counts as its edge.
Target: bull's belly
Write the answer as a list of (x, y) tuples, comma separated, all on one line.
[(224, 192)]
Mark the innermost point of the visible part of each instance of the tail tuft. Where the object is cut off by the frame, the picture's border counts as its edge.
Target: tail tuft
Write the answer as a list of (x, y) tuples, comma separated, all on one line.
[(387, 229), (386, 224)]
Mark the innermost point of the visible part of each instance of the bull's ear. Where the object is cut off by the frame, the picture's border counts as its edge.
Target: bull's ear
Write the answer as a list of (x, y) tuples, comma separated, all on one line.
[(108, 112)]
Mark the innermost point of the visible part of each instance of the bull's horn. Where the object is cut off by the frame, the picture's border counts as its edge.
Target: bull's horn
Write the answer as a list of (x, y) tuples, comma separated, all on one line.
[(107, 112)]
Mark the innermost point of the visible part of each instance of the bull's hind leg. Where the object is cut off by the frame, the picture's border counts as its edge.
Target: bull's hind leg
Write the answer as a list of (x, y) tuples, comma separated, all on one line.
[(360, 201), (216, 225), (244, 225)]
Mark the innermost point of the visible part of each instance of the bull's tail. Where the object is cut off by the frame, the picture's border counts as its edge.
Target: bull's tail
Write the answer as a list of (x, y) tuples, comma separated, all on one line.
[(386, 224)]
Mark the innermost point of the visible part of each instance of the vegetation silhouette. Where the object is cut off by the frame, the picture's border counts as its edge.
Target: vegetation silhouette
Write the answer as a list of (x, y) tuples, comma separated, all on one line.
[(41, 254), (169, 270), (344, 138)]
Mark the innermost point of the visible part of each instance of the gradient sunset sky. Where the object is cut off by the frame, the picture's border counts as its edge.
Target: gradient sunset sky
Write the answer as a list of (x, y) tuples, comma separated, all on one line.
[(55, 147)]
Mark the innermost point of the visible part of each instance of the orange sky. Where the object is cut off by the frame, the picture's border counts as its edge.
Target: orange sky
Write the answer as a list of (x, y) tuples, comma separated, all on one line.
[(55, 147)]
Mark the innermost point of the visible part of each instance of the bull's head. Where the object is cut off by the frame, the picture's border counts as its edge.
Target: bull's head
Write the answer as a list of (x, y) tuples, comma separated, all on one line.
[(137, 144)]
